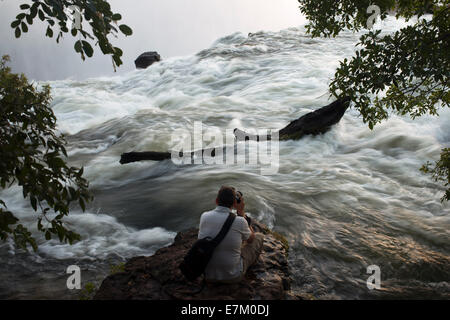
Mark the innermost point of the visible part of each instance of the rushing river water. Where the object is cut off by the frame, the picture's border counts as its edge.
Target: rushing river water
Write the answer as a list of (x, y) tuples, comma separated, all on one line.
[(345, 200)]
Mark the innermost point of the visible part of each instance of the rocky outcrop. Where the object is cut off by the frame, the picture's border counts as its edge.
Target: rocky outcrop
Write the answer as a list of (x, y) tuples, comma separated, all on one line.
[(158, 276), (147, 59)]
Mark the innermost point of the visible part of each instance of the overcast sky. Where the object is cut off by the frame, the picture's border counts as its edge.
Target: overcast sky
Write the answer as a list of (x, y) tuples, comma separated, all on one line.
[(171, 27)]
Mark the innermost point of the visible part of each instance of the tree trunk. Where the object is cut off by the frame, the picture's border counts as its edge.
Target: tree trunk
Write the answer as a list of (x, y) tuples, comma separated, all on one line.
[(316, 122)]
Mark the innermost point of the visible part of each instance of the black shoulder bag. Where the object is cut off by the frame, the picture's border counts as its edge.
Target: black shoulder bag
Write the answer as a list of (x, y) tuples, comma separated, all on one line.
[(197, 258)]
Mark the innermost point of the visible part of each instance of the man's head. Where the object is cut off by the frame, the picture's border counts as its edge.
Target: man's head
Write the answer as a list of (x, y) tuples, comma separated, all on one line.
[(226, 197)]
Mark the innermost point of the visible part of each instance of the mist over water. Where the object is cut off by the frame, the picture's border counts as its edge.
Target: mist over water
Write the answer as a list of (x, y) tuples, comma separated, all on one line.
[(345, 200)]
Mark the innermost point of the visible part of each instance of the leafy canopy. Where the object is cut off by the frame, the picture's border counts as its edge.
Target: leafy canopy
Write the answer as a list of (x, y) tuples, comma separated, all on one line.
[(67, 16), (406, 72), (33, 156)]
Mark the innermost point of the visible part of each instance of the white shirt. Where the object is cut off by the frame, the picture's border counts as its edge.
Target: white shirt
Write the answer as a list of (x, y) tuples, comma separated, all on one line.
[(226, 262)]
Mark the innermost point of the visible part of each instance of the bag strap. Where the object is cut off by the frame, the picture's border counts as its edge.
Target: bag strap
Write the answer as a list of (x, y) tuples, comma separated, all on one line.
[(225, 228)]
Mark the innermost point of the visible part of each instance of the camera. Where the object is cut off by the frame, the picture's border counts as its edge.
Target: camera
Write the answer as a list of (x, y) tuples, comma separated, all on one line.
[(238, 196)]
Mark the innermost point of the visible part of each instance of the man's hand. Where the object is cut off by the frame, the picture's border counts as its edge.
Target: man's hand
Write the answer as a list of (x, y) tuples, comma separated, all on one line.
[(240, 207)]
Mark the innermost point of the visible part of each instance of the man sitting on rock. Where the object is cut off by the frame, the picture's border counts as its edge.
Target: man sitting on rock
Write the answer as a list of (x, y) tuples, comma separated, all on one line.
[(241, 246)]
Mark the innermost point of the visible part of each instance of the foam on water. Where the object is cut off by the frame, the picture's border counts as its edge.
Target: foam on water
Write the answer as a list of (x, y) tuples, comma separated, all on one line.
[(102, 234)]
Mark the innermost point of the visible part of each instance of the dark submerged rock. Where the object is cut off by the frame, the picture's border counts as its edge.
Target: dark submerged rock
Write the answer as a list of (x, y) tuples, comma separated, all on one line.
[(147, 59)]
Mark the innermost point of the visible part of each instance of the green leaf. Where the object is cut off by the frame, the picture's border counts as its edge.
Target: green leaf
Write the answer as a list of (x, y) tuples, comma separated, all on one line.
[(24, 27), (78, 46), (33, 243), (126, 30), (17, 32), (33, 203), (24, 6), (29, 19), (63, 150), (34, 10), (118, 51), (87, 48), (15, 24), (82, 204), (73, 193), (41, 15), (39, 224), (7, 218), (47, 10), (49, 32), (116, 17)]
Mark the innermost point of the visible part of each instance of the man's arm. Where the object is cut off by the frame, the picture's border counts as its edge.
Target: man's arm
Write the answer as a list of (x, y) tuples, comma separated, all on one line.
[(240, 211), (252, 235)]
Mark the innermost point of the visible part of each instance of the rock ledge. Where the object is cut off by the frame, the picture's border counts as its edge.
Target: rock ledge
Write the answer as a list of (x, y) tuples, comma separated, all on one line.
[(158, 278)]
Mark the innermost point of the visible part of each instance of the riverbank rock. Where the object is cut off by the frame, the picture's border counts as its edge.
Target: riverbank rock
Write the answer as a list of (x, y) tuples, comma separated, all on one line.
[(147, 59), (158, 277)]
